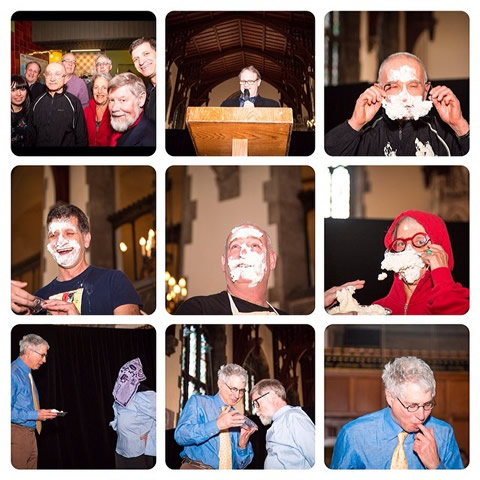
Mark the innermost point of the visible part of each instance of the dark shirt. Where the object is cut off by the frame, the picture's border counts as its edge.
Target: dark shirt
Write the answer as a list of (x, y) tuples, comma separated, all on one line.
[(426, 136), (96, 291), (151, 103), (19, 129), (258, 102), (57, 121), (218, 304), (36, 90), (141, 135)]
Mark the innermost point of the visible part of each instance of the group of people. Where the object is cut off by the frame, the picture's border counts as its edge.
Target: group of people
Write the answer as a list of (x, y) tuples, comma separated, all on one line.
[(216, 436), (65, 112), (78, 288), (134, 410)]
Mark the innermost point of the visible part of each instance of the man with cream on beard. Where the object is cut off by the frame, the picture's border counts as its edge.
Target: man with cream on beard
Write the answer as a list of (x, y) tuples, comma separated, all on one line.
[(79, 288), (247, 262), (401, 115)]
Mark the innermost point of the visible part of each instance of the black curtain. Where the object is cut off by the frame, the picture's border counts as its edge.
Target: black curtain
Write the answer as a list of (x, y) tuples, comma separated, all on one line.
[(81, 370)]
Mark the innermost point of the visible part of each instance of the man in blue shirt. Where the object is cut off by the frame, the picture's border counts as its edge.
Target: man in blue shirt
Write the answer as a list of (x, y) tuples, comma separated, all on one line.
[(403, 435), (26, 415), (290, 441), (135, 418), (213, 433), (79, 288)]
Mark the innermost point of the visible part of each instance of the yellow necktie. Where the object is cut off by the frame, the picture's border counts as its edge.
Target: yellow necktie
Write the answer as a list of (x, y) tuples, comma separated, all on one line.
[(399, 460), (225, 450), (35, 402)]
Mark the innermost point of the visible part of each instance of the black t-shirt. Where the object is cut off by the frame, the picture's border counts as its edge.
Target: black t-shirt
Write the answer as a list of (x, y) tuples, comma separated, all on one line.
[(219, 304), (96, 291)]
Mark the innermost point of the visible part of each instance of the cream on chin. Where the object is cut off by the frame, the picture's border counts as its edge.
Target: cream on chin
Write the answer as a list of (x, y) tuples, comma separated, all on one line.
[(250, 266)]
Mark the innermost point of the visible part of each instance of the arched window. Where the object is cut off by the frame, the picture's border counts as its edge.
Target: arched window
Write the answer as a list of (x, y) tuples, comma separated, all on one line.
[(337, 198)]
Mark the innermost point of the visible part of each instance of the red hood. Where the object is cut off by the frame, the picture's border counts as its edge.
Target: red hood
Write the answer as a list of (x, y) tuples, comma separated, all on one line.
[(434, 226)]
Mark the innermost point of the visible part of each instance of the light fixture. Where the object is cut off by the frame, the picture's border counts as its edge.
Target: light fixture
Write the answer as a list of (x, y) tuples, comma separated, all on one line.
[(86, 50), (123, 247), (175, 292)]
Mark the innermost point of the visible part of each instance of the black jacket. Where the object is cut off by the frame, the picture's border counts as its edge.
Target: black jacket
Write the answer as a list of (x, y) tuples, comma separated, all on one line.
[(426, 136), (57, 121), (141, 135), (259, 102), (36, 90)]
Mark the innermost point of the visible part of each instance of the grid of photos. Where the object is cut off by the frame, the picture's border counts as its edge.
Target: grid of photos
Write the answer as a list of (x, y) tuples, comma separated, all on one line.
[(317, 389)]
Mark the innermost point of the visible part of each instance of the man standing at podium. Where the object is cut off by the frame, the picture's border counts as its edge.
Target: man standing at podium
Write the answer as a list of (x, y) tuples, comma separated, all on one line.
[(250, 80), (247, 262)]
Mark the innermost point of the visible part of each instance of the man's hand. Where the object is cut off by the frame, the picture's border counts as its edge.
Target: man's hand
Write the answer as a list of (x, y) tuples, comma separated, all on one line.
[(59, 307), (425, 447), (367, 105), (230, 418), (437, 257), (449, 109), (46, 414), (248, 104), (330, 295), (245, 433), (21, 300), (144, 437)]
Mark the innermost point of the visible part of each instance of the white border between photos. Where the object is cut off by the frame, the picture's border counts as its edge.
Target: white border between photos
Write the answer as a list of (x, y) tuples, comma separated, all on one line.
[(161, 161)]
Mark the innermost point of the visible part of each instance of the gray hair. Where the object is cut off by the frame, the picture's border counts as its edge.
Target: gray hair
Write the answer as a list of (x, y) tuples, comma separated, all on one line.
[(271, 385), (31, 341), (134, 83), (105, 76), (226, 371), (252, 69), (406, 55), (102, 56), (404, 370)]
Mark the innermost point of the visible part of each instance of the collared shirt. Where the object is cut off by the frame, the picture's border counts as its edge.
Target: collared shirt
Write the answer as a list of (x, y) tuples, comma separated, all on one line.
[(198, 432), (251, 99), (368, 442), (290, 440), (132, 422), (22, 409)]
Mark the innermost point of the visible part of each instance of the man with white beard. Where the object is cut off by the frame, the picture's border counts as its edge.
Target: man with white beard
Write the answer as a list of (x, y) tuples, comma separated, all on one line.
[(126, 99), (407, 126), (79, 288), (290, 441), (247, 262)]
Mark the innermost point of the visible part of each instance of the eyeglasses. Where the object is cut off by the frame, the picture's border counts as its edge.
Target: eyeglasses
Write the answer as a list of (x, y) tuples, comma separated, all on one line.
[(255, 402), (248, 82), (102, 64), (419, 240), (54, 75), (414, 407), (43, 355), (71, 62), (235, 391)]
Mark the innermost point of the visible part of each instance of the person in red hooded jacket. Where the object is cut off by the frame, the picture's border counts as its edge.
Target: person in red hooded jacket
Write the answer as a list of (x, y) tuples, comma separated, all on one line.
[(435, 292)]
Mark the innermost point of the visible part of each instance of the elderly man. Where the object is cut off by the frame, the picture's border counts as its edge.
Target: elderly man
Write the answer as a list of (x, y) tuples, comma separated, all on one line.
[(74, 85), (247, 262), (214, 434), (103, 65), (32, 72), (405, 126), (250, 80), (79, 288), (144, 56), (403, 435), (126, 99), (26, 414), (290, 441), (57, 116)]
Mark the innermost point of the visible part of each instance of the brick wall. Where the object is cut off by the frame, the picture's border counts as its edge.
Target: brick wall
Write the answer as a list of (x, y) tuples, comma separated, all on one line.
[(21, 42)]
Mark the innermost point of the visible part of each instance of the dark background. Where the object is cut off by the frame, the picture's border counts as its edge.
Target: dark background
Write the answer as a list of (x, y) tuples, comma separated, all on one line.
[(354, 250), (81, 370)]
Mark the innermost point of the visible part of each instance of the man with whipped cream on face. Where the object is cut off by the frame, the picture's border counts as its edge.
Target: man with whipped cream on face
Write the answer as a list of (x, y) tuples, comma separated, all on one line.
[(79, 288), (247, 262), (394, 117)]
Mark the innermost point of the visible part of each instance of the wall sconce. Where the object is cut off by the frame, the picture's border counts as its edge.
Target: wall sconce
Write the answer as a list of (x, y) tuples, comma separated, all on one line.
[(175, 292)]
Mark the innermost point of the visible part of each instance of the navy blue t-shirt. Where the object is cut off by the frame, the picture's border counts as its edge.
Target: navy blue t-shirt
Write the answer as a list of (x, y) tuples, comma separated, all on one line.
[(96, 291)]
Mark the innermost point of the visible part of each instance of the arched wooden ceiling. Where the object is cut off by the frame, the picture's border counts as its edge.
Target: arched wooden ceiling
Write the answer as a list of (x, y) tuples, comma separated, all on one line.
[(211, 47)]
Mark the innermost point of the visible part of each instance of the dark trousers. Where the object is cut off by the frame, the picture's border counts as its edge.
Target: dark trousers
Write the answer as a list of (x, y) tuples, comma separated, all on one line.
[(24, 453), (143, 461)]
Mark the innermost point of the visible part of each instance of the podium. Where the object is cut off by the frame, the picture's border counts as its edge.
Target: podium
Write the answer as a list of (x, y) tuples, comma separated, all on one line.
[(235, 131)]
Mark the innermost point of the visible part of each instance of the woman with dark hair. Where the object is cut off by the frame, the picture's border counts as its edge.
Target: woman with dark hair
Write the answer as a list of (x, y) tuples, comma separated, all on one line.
[(20, 109)]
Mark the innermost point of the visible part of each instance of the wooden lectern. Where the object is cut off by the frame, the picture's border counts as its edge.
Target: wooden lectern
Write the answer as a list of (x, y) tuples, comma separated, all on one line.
[(240, 131)]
